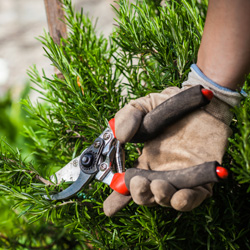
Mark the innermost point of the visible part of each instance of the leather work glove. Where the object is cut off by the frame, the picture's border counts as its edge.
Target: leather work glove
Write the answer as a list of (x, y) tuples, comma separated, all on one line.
[(196, 138)]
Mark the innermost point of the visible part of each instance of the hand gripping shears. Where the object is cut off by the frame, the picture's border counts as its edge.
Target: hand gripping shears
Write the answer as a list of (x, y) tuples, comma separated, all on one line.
[(104, 161)]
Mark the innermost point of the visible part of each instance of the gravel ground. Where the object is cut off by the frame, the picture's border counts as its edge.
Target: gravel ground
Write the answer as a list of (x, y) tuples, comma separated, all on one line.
[(21, 21)]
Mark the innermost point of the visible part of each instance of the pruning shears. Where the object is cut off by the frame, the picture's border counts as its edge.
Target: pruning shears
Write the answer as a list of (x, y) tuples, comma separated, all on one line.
[(104, 160)]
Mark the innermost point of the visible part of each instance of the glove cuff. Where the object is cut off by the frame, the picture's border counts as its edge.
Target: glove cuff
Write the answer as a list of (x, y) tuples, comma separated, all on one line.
[(195, 77), (224, 98)]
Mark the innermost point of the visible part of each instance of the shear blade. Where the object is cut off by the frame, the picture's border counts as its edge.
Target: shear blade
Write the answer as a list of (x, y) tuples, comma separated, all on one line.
[(68, 173), (82, 180)]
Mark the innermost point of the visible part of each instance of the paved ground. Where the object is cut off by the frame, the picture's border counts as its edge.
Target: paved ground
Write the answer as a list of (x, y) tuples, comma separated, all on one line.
[(23, 20)]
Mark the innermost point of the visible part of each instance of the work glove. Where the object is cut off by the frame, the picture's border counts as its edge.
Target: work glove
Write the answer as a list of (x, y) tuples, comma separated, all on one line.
[(196, 138)]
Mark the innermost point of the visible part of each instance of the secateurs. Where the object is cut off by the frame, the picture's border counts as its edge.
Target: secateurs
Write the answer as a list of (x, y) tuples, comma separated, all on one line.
[(103, 160)]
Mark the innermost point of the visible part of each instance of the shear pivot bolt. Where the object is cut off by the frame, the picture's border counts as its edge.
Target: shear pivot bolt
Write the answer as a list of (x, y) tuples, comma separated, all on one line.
[(103, 166), (97, 144), (87, 160), (106, 136)]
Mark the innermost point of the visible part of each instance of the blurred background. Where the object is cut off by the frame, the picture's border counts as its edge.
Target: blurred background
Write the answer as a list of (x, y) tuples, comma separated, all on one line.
[(21, 21)]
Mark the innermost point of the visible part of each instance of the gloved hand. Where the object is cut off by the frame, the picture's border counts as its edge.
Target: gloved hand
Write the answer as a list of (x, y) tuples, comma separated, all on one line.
[(196, 138)]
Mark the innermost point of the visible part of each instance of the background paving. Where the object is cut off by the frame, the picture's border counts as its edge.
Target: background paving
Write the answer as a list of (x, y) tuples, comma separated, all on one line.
[(23, 20)]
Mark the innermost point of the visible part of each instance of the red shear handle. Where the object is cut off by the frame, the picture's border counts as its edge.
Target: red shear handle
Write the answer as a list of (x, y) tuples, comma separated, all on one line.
[(221, 172), (112, 125), (198, 175), (118, 184), (184, 178), (169, 112)]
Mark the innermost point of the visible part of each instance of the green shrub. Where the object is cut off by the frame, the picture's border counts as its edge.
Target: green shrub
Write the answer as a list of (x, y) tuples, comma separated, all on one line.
[(151, 47)]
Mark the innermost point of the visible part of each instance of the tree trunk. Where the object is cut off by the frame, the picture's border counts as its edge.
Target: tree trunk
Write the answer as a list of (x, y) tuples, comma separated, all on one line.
[(55, 17)]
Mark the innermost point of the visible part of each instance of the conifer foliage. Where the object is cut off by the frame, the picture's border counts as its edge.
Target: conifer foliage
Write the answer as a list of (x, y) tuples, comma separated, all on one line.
[(152, 47)]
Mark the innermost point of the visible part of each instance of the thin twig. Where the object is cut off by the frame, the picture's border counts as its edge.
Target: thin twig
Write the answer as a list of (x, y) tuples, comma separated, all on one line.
[(138, 149), (64, 203), (46, 182), (77, 134)]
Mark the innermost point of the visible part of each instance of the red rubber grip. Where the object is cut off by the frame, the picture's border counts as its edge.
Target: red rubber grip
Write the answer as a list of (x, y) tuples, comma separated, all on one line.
[(221, 172), (112, 125), (118, 184), (207, 93)]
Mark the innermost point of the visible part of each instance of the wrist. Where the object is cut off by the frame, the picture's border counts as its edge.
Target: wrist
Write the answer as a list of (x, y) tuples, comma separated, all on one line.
[(226, 95), (224, 98)]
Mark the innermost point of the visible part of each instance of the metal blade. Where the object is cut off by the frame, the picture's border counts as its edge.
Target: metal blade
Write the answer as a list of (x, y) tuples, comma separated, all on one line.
[(82, 180), (68, 173)]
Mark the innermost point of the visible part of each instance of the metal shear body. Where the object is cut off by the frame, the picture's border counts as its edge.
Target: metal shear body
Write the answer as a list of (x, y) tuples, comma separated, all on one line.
[(99, 161)]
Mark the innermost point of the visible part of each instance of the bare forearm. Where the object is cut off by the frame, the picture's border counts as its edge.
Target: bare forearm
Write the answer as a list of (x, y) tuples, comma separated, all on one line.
[(224, 54)]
